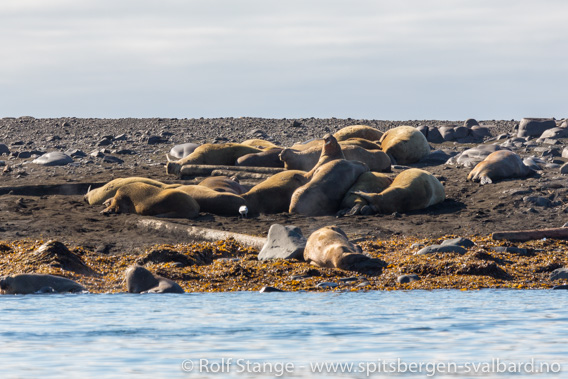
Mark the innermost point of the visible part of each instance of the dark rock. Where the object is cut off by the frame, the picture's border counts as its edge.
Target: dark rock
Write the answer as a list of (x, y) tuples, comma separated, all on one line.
[(534, 127), (539, 201), (53, 138), (407, 278), (470, 122), (56, 254), (170, 255), (561, 287), (267, 289), (296, 124), (434, 135), (564, 169), (512, 250), (284, 242), (559, 273), (153, 140), (436, 157), (126, 152), (441, 249), (4, 149), (105, 141), (111, 159), (327, 285), (460, 241), (75, 153)]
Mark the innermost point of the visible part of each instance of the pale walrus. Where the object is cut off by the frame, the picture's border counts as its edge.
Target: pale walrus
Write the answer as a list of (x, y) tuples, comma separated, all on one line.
[(405, 144), (223, 184), (412, 189), (147, 200), (140, 280), (99, 195), (358, 131), (273, 194), (330, 247), (305, 160), (37, 283), (211, 201), (259, 143), (499, 165), (322, 195), (212, 154), (371, 182)]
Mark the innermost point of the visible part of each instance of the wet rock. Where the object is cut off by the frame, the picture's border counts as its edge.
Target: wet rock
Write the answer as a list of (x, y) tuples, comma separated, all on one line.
[(441, 249), (170, 255), (56, 254), (460, 241), (267, 289), (534, 127), (561, 287), (559, 273), (55, 158), (564, 169), (407, 278), (283, 242)]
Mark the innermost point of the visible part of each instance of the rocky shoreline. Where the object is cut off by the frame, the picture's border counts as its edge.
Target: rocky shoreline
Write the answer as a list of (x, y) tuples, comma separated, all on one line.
[(40, 203)]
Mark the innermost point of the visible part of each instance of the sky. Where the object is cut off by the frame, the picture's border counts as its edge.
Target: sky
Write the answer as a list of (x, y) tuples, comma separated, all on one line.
[(361, 59)]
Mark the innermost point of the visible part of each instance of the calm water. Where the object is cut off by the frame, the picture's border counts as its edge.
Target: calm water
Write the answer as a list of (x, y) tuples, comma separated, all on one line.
[(242, 335)]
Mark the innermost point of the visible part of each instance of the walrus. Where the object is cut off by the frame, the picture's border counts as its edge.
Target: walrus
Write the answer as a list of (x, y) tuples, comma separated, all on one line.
[(266, 158), (212, 154), (145, 199), (330, 247), (211, 201), (405, 144), (259, 143), (361, 142), (223, 184), (371, 182), (412, 189), (37, 283), (140, 280), (500, 164), (273, 194), (305, 160), (330, 151), (99, 195), (322, 195), (358, 131)]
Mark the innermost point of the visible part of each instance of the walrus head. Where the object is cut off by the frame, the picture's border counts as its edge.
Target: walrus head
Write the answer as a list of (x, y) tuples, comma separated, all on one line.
[(331, 147)]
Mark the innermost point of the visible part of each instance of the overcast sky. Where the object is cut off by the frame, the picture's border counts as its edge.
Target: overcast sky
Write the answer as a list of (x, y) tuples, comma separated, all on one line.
[(376, 59)]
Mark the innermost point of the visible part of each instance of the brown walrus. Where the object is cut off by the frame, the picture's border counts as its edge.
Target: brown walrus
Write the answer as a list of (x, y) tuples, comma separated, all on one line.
[(405, 144), (330, 151), (148, 200), (140, 280), (322, 195), (211, 201), (266, 158), (259, 143), (212, 154), (412, 189), (223, 184), (99, 195), (358, 131), (305, 160), (37, 283), (370, 182), (330, 247), (499, 165), (273, 194)]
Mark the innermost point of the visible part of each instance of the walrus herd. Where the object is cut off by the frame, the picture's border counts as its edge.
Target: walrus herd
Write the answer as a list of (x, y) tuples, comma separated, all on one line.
[(344, 174)]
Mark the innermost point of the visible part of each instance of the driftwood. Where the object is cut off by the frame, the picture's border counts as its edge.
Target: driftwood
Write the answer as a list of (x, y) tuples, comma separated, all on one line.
[(527, 235), (206, 170), (199, 234)]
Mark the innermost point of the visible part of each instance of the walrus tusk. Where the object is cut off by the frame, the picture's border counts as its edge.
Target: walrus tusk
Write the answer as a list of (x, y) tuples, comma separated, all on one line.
[(168, 157), (88, 189)]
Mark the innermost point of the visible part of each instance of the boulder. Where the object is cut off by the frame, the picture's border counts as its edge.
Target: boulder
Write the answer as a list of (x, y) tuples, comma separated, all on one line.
[(283, 242)]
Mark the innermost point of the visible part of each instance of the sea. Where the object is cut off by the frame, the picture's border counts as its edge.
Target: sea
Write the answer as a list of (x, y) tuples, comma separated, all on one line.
[(418, 334)]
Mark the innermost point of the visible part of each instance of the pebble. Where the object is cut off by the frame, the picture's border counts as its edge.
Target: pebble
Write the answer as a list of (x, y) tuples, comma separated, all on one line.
[(111, 159), (441, 249)]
